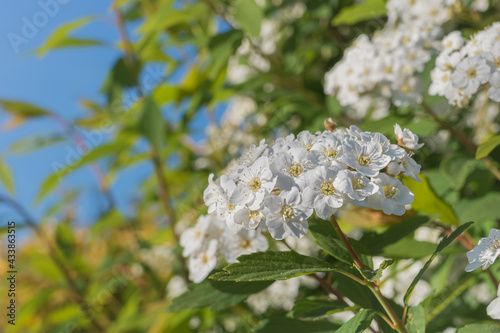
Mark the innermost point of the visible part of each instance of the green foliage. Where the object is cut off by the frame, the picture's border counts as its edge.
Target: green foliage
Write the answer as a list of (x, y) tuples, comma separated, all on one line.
[(216, 295), (486, 148), (415, 322), (249, 15), (314, 309), (151, 124), (272, 265), (6, 176), (483, 328), (368, 9), (444, 243), (358, 323), (296, 326)]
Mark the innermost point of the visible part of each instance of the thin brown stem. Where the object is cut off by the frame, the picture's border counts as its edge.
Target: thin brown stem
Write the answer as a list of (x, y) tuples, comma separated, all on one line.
[(328, 287), (345, 240)]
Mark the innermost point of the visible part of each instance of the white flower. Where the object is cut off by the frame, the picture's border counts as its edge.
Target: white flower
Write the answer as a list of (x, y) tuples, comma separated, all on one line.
[(355, 185), (248, 218), (329, 149), (203, 263), (255, 181), (320, 193), (291, 167), (226, 194), (494, 91), (244, 242), (453, 41), (493, 309), (485, 252), (392, 195), (366, 157), (286, 214), (410, 167), (192, 239), (406, 138), (470, 73)]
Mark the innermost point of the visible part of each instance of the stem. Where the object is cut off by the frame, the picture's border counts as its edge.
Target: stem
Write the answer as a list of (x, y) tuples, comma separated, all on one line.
[(344, 239), (328, 287), (397, 324), (463, 138)]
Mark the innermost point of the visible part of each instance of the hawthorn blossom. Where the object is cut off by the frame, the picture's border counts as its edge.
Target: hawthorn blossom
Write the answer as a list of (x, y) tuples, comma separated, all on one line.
[(406, 138), (321, 193), (493, 309), (355, 185), (366, 157), (485, 252), (286, 214), (469, 74), (254, 182), (244, 242), (203, 263), (392, 195)]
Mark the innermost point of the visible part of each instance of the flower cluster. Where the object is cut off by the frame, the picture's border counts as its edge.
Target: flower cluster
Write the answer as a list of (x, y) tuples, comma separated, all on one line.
[(462, 69), (210, 240), (277, 187), (377, 71)]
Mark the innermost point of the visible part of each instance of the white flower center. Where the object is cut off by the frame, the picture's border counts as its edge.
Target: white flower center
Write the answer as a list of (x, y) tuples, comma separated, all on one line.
[(230, 207), (253, 214), (390, 191), (296, 169), (363, 160), (358, 184), (287, 212), (330, 153), (308, 147), (255, 184), (471, 73), (245, 243), (327, 188), (204, 259)]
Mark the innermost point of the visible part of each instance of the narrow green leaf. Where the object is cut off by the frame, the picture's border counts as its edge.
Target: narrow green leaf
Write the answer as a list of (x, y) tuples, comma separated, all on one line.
[(326, 238), (359, 322), (249, 15), (427, 202), (65, 239), (368, 9), (482, 328), (415, 322), (216, 295), (22, 109), (486, 148), (61, 37), (50, 183), (444, 243), (272, 265), (152, 125), (6, 176), (410, 248), (313, 309)]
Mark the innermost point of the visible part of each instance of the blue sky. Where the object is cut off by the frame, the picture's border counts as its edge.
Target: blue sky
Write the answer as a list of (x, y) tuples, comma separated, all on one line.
[(56, 82)]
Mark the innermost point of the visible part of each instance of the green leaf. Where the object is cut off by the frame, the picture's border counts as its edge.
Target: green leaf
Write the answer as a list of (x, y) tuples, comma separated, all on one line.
[(366, 10), (318, 309), (410, 248), (23, 109), (6, 176), (486, 148), (427, 202), (222, 47), (152, 125), (456, 168), (326, 238), (359, 322), (376, 274), (289, 325), (65, 239), (444, 243), (415, 322), (482, 328), (249, 15), (61, 37), (479, 209), (216, 295), (32, 143), (435, 304), (376, 242), (50, 183), (272, 265)]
